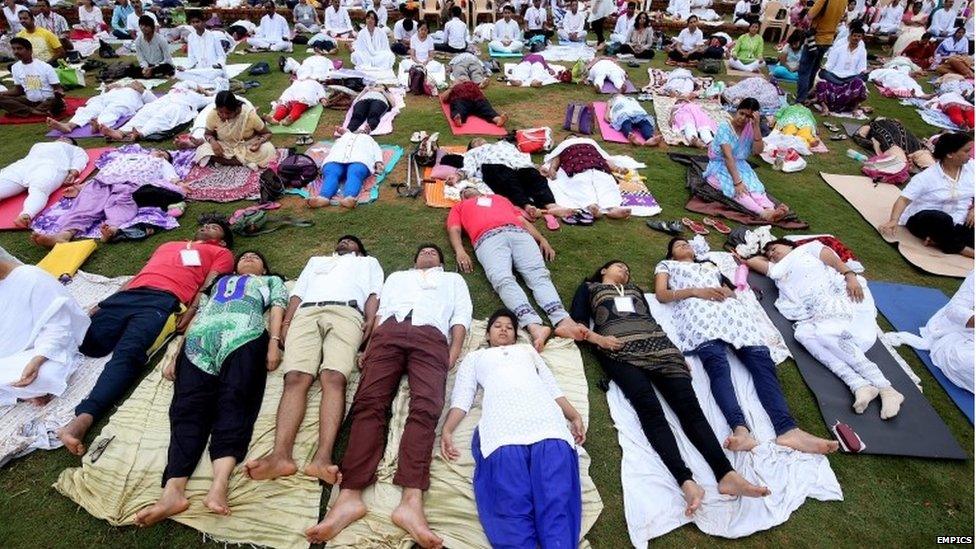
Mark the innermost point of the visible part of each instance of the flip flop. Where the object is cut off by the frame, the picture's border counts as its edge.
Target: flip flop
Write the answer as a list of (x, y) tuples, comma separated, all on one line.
[(571, 220), (551, 222), (717, 225), (584, 217), (831, 126), (695, 226), (666, 227)]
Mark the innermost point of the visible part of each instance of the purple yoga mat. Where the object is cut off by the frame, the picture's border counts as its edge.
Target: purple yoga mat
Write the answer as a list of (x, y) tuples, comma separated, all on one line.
[(86, 130), (629, 87)]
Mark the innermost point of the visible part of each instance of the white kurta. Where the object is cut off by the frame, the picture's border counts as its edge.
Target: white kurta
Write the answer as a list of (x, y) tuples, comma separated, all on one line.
[(604, 70), (307, 91), (40, 319), (372, 51), (573, 23), (273, 34), (109, 107), (205, 51), (506, 31), (621, 31), (337, 22), (179, 106), (316, 67), (950, 341)]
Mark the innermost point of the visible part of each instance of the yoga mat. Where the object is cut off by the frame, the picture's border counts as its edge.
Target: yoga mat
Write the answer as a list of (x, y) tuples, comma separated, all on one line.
[(434, 188), (386, 121), (917, 431), (474, 125), (371, 187), (11, 207), (610, 135), (873, 202), (908, 308), (71, 104), (608, 88), (85, 132), (305, 125), (504, 54)]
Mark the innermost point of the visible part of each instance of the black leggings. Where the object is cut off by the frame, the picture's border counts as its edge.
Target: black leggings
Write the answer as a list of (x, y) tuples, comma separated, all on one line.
[(369, 111), (480, 108), (222, 408), (646, 54), (939, 227), (638, 386), (524, 186), (164, 70), (443, 47)]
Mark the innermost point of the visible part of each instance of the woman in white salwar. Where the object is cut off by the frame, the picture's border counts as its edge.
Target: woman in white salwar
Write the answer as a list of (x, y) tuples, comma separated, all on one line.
[(834, 316), (42, 327), (421, 47), (371, 50), (178, 106), (581, 177)]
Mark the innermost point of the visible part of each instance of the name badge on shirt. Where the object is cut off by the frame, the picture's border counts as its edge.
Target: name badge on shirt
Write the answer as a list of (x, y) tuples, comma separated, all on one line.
[(623, 304), (190, 258), (484, 201)]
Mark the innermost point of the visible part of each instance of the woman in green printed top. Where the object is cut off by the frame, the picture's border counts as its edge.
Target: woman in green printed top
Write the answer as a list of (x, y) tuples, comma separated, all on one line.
[(219, 380), (747, 51)]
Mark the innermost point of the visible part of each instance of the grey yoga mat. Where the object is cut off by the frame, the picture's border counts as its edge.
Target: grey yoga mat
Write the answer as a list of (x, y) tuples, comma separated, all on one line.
[(917, 431)]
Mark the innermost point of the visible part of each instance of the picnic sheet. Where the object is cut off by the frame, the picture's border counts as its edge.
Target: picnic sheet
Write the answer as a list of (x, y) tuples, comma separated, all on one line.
[(608, 87), (908, 308), (386, 121), (449, 504), (127, 476), (917, 430), (305, 125), (86, 132), (873, 202), (71, 104), (653, 502), (11, 207), (371, 187), (25, 427), (663, 106), (473, 126), (217, 183), (434, 188)]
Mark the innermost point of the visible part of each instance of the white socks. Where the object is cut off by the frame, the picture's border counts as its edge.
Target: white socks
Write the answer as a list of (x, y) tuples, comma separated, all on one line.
[(890, 400), (863, 397)]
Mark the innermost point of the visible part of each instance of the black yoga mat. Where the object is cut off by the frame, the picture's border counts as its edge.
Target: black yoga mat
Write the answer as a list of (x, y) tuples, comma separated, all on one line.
[(917, 430)]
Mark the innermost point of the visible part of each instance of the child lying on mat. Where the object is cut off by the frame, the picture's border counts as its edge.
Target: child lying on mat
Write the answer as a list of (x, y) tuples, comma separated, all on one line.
[(689, 119), (46, 168), (297, 98), (628, 117), (465, 99)]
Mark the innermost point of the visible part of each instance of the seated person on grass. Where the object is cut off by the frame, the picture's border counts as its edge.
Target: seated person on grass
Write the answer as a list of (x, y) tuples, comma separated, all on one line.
[(371, 50), (336, 23), (235, 136), (465, 99), (353, 159), (46, 168), (272, 34), (747, 51), (537, 21), (689, 46), (572, 27), (152, 52), (640, 41), (46, 46), (106, 109), (506, 36), (36, 90), (455, 34)]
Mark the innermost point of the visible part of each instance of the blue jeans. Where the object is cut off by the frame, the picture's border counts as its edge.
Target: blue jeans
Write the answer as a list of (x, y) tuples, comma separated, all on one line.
[(810, 59), (643, 126), (756, 359), (334, 173), (783, 73)]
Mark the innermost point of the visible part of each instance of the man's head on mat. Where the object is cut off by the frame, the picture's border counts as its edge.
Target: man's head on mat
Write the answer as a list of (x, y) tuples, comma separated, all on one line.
[(26, 19), (228, 106), (502, 326), (470, 192), (350, 244), (213, 229), (252, 263), (21, 48), (777, 249), (612, 272), (428, 256), (507, 12)]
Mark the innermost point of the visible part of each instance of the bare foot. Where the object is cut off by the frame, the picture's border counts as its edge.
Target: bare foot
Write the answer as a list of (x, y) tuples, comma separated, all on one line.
[(618, 213), (108, 232), (318, 202), (349, 202), (571, 329), (654, 141), (457, 120), (40, 401), (697, 143), (890, 402), (733, 484), (536, 84), (594, 211), (270, 468), (348, 509), (216, 499), (62, 127), (863, 397), (539, 335), (49, 240), (803, 441), (516, 83), (559, 211), (168, 505), (22, 221), (693, 494), (113, 134), (500, 120), (634, 139), (414, 522), (288, 121), (340, 130), (741, 440), (326, 472), (73, 434)]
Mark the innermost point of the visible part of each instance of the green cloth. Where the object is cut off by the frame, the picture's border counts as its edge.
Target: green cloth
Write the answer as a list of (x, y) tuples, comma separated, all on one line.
[(797, 115), (306, 123), (231, 317), (748, 48)]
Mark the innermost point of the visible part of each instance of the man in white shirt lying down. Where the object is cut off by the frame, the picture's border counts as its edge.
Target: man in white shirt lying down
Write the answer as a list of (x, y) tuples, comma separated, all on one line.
[(420, 327)]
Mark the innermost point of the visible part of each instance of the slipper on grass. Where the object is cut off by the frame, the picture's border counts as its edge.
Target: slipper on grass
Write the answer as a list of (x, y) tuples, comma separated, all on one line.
[(695, 226), (551, 222), (672, 228), (717, 225)]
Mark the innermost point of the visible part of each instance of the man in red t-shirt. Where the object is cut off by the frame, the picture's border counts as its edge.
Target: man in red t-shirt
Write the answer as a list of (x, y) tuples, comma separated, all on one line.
[(466, 99), (127, 323), (503, 239)]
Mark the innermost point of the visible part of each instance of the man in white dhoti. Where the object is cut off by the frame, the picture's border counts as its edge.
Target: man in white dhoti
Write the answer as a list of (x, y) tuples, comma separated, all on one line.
[(273, 33), (46, 167), (178, 106), (337, 23), (106, 109), (890, 22), (371, 50), (506, 36), (42, 327), (571, 28)]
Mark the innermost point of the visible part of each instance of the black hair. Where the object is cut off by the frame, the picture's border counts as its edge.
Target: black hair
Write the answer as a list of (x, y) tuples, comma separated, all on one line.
[(632, 5), (264, 261), (456, 11), (22, 42), (782, 241), (471, 143), (949, 143), (270, 5), (508, 7), (500, 313), (28, 12), (748, 104), (169, 155), (856, 27), (959, 28), (407, 24), (647, 19), (218, 219), (796, 37), (46, 2), (146, 21), (354, 238), (751, 23), (423, 23), (598, 275), (376, 19), (926, 36), (227, 100), (71, 140), (690, 17), (194, 14), (435, 247)]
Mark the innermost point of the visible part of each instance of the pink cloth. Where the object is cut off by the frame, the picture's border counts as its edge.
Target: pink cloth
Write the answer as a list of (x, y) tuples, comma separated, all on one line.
[(691, 113), (754, 202)]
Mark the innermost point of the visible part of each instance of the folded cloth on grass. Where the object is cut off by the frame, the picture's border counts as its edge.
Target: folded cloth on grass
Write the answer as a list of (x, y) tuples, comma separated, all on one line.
[(217, 183), (663, 105), (25, 427), (386, 121), (71, 104), (908, 308), (86, 132), (473, 126), (449, 504), (305, 125), (148, 83), (434, 194), (608, 87), (917, 430), (874, 203), (371, 187), (707, 200), (11, 207), (653, 502), (271, 513)]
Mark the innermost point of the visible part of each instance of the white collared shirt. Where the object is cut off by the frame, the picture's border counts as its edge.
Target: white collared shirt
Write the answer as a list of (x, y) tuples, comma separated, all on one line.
[(932, 189), (435, 297), (535, 18), (337, 21), (204, 50), (574, 22), (342, 278), (506, 30), (456, 34)]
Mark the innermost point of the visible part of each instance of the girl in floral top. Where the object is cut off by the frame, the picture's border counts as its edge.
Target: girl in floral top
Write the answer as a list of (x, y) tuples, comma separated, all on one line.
[(711, 322), (219, 380)]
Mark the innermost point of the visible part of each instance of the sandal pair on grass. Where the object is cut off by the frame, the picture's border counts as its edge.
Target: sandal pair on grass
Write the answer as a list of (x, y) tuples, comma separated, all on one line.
[(675, 228)]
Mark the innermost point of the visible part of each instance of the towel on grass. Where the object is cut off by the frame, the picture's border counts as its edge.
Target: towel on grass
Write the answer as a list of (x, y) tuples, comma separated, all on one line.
[(449, 504), (939, 119), (653, 503), (71, 104), (663, 105), (637, 197), (371, 187), (217, 183), (504, 54), (25, 427), (386, 121), (305, 125)]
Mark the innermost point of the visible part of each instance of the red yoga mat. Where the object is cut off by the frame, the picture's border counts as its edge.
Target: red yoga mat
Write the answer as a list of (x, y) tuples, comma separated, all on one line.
[(474, 125), (71, 105)]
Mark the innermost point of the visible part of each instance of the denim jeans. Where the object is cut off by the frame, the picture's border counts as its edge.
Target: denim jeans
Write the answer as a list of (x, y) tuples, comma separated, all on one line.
[(644, 127), (810, 59), (334, 173)]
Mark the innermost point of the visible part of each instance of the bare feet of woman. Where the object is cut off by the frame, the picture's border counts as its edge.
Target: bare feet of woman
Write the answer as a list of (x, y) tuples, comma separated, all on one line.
[(49, 240), (40, 401), (500, 120), (171, 503), (536, 84), (694, 494), (863, 397), (559, 211), (803, 441), (697, 143), (270, 467), (216, 499), (113, 134), (618, 213), (516, 83), (348, 202), (733, 484), (539, 335), (62, 127), (22, 221), (348, 509), (654, 141), (571, 329), (108, 232), (411, 518), (73, 434), (317, 202), (741, 440), (326, 472)]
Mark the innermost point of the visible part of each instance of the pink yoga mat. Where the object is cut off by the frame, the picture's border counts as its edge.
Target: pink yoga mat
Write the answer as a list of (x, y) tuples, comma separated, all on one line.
[(607, 87), (610, 135), (474, 125), (386, 122), (71, 105), (11, 207), (85, 131)]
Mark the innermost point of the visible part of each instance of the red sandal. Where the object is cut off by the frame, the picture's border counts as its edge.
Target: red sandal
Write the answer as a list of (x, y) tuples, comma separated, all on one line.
[(695, 226), (717, 225)]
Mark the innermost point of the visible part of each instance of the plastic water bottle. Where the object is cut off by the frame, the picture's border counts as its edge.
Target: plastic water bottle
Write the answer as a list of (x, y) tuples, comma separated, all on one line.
[(857, 155), (742, 278)]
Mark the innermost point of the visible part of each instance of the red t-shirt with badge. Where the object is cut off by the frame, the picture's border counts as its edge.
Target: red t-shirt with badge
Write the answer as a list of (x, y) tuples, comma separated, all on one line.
[(166, 269), (483, 213)]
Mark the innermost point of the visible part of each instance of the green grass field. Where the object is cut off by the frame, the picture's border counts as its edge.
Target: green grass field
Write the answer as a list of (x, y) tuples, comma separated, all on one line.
[(889, 502)]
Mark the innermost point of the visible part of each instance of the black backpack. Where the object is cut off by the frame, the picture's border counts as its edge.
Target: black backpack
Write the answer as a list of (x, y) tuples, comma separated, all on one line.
[(297, 170), (272, 188)]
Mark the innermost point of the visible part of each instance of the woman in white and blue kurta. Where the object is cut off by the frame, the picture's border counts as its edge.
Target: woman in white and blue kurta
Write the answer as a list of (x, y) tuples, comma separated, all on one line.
[(526, 477)]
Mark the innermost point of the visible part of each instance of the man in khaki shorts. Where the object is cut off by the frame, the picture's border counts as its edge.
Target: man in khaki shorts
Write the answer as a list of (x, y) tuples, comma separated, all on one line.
[(331, 313)]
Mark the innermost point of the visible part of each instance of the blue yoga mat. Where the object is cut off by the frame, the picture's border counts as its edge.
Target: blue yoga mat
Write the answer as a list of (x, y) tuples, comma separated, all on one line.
[(908, 308)]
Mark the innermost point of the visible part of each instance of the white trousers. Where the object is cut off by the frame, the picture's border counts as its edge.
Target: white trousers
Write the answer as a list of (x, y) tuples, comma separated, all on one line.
[(740, 66), (513, 47), (51, 379), (691, 131), (272, 45), (39, 183), (586, 189)]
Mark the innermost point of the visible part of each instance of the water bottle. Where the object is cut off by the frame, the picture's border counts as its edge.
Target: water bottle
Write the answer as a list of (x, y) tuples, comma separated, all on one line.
[(742, 278), (856, 155)]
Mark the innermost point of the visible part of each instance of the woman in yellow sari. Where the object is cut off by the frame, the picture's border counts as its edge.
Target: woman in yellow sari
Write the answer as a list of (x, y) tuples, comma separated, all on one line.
[(235, 135)]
